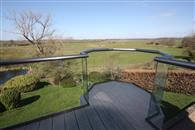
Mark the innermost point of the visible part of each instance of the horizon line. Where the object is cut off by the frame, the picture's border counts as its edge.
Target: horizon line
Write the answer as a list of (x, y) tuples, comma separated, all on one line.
[(141, 38)]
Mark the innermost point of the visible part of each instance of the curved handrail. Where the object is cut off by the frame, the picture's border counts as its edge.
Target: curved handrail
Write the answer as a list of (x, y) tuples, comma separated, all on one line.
[(166, 58), (126, 49)]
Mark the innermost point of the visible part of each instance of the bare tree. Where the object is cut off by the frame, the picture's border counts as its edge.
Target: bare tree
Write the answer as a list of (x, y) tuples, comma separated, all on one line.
[(34, 27)]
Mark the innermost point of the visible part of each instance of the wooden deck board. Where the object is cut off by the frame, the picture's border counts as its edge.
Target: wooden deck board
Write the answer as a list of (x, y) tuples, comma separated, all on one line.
[(114, 114), (71, 121), (115, 111), (106, 118), (82, 119), (113, 106), (32, 126), (59, 122), (94, 119), (134, 109), (46, 124), (19, 128)]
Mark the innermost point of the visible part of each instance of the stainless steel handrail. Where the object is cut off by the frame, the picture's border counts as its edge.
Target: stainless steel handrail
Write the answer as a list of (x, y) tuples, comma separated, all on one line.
[(127, 49), (180, 63), (41, 59)]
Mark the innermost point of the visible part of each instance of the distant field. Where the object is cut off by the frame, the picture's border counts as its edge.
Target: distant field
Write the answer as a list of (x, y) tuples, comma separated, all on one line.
[(125, 59)]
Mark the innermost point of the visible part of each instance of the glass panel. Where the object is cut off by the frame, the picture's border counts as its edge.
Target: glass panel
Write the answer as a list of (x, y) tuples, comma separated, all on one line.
[(129, 67), (179, 92), (160, 81), (45, 88), (122, 66), (159, 84), (153, 107), (173, 91)]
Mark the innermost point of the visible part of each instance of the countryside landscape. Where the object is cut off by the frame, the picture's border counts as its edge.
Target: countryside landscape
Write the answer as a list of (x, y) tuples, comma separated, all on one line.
[(33, 91), (125, 61)]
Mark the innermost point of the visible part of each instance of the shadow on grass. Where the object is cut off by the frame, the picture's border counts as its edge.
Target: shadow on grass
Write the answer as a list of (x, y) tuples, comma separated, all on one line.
[(169, 110), (32, 99), (28, 100), (178, 119), (184, 124), (42, 84)]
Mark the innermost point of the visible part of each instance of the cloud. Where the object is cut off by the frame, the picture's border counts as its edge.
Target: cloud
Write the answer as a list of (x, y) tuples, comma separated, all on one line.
[(168, 14)]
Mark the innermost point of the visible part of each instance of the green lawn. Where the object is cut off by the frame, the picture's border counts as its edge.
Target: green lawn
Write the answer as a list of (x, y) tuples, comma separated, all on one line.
[(174, 102), (42, 102)]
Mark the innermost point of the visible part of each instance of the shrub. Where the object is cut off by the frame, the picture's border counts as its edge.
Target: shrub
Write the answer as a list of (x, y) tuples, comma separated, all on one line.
[(150, 43), (56, 71), (188, 58), (22, 83), (163, 41), (189, 42), (112, 72), (55, 80), (56, 77), (190, 54), (1, 89), (68, 83), (2, 108), (98, 77), (10, 98), (95, 76)]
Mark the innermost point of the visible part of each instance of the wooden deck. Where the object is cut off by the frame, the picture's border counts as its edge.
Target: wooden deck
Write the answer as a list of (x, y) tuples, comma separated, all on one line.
[(113, 106)]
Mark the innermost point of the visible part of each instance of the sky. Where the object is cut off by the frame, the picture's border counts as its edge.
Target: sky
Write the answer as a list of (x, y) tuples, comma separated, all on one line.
[(110, 19)]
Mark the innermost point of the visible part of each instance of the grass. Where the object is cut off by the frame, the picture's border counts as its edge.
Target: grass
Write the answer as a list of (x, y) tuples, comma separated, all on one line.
[(174, 102), (97, 61), (79, 45), (42, 102)]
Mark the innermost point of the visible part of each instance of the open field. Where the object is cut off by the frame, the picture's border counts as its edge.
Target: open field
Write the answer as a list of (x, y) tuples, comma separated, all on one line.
[(124, 59), (77, 46)]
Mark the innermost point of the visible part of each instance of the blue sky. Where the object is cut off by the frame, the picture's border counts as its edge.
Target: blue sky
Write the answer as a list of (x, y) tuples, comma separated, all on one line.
[(108, 19)]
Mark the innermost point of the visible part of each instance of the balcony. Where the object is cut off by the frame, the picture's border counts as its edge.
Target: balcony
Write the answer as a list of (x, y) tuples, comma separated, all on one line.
[(105, 103)]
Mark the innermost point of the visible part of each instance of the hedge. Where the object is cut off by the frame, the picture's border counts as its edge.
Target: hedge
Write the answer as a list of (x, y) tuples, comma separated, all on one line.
[(22, 83), (10, 98), (177, 81)]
